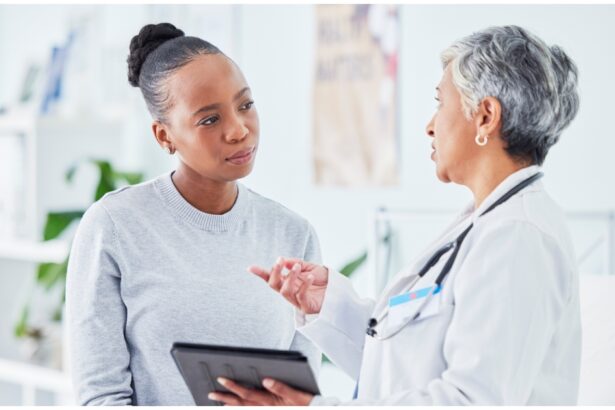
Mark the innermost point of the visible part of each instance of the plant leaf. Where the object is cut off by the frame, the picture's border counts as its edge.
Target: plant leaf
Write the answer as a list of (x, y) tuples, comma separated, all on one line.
[(57, 314), (50, 274), (57, 222), (106, 182), (21, 327), (70, 173), (130, 177), (353, 265)]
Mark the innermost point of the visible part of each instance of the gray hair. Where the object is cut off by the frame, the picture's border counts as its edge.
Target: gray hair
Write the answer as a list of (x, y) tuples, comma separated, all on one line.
[(535, 84)]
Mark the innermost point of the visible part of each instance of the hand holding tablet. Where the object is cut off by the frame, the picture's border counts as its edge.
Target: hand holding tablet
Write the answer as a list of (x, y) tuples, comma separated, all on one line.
[(236, 375)]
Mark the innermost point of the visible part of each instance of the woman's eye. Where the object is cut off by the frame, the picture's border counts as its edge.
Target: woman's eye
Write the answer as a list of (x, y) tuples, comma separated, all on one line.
[(247, 105), (208, 120)]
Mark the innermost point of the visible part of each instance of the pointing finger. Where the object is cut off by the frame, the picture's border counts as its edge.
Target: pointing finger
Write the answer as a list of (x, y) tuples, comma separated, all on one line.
[(260, 272)]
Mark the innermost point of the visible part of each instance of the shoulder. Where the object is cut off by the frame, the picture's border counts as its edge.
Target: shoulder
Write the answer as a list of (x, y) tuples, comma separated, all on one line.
[(527, 238), (128, 199), (533, 215), (273, 211), (118, 206)]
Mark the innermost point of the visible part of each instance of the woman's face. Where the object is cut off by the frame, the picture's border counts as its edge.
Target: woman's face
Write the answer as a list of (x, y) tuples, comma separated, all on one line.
[(212, 121), (453, 134)]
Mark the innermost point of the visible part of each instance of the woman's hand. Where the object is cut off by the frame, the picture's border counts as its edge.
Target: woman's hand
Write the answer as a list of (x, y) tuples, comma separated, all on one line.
[(304, 286), (277, 394)]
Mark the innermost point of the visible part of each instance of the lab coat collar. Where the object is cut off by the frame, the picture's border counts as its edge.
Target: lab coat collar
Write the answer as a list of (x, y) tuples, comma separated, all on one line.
[(467, 215), (504, 186)]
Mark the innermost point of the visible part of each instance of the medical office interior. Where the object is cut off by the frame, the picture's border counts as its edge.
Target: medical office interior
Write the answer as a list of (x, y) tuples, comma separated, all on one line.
[(67, 113)]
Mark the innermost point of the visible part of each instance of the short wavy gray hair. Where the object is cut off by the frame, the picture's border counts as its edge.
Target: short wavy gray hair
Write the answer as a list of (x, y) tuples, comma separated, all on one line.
[(535, 84)]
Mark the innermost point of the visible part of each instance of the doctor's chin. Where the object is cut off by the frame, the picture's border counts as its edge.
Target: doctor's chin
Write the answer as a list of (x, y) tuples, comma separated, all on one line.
[(307, 205)]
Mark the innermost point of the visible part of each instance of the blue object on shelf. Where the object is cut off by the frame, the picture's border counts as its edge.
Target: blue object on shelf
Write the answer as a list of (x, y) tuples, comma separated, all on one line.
[(53, 88)]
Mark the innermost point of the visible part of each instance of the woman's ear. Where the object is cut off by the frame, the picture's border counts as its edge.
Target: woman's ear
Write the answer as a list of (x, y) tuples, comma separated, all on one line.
[(161, 134), (489, 117)]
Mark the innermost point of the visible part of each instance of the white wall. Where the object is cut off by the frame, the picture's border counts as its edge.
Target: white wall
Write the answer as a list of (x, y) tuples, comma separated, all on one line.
[(275, 48), (278, 64)]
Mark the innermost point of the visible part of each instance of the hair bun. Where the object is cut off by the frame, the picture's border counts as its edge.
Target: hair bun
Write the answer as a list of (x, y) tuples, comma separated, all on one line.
[(141, 45)]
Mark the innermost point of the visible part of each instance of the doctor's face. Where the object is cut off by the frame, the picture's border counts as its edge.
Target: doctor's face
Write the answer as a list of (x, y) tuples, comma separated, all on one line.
[(452, 133)]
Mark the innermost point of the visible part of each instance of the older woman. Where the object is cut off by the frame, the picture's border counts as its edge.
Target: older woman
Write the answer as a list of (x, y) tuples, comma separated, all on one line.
[(489, 314)]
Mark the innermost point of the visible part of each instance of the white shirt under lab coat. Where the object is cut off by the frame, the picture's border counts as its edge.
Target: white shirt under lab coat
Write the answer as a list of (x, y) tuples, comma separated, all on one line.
[(505, 329)]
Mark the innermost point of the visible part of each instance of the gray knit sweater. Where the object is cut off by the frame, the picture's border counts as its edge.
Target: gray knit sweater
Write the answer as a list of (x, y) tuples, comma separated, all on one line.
[(147, 269)]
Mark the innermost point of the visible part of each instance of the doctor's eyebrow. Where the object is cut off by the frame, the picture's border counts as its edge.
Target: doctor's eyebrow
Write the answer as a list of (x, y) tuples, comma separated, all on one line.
[(211, 107)]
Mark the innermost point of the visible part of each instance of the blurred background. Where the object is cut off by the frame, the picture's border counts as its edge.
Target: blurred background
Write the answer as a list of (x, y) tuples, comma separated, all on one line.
[(66, 108)]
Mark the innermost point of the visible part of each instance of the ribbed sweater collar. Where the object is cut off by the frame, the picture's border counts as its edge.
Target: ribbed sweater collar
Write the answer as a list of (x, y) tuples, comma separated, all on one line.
[(188, 213)]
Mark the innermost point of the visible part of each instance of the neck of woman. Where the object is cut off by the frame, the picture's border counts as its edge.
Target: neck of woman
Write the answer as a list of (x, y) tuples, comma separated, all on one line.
[(205, 194), (490, 173)]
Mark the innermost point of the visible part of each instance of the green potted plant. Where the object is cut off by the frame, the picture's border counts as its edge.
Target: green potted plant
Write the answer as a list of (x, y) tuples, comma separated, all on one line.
[(52, 276)]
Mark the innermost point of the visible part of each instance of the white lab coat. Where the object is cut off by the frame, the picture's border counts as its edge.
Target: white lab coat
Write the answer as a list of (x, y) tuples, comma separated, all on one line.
[(505, 329)]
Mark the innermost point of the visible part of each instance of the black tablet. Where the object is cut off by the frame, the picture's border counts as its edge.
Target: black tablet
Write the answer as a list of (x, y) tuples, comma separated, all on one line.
[(200, 366)]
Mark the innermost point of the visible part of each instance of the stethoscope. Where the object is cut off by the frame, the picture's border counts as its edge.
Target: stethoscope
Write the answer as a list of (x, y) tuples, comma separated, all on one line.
[(435, 288)]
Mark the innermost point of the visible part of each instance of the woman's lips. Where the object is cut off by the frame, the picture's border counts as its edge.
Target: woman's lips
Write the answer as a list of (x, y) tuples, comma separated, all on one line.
[(242, 157)]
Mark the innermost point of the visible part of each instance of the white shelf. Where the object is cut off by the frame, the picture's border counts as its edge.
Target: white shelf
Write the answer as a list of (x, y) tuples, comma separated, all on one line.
[(40, 377), (32, 251), (17, 122), (32, 378), (23, 122)]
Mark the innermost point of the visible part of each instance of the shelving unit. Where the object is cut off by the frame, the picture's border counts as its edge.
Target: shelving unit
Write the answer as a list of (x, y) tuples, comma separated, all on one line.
[(50, 145), (33, 378), (44, 174), (104, 123), (32, 251)]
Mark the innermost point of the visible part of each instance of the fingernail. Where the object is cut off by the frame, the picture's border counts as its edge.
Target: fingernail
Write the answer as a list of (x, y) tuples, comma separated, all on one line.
[(310, 277), (221, 380), (296, 266), (279, 260), (268, 383), (212, 396)]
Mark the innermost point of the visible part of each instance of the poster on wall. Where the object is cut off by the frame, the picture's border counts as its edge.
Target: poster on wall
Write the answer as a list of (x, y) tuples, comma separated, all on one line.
[(355, 141)]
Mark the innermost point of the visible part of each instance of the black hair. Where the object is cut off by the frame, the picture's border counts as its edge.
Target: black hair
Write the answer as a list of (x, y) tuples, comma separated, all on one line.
[(155, 53)]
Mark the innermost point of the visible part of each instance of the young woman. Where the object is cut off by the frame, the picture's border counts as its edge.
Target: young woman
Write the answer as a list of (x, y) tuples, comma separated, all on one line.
[(165, 261)]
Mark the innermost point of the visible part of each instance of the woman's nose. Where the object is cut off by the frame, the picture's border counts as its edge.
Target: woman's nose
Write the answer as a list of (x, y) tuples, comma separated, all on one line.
[(430, 128), (237, 131)]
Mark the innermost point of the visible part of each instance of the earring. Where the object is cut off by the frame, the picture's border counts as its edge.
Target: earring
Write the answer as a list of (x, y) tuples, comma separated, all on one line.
[(480, 140)]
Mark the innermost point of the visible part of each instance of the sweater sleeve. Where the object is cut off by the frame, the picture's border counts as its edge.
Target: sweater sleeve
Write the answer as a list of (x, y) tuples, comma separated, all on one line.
[(96, 314)]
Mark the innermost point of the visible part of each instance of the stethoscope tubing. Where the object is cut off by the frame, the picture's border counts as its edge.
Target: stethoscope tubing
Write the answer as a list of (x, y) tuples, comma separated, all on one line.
[(455, 245)]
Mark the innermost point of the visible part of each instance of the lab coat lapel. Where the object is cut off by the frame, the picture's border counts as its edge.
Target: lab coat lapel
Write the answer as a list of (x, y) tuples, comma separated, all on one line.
[(400, 281)]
